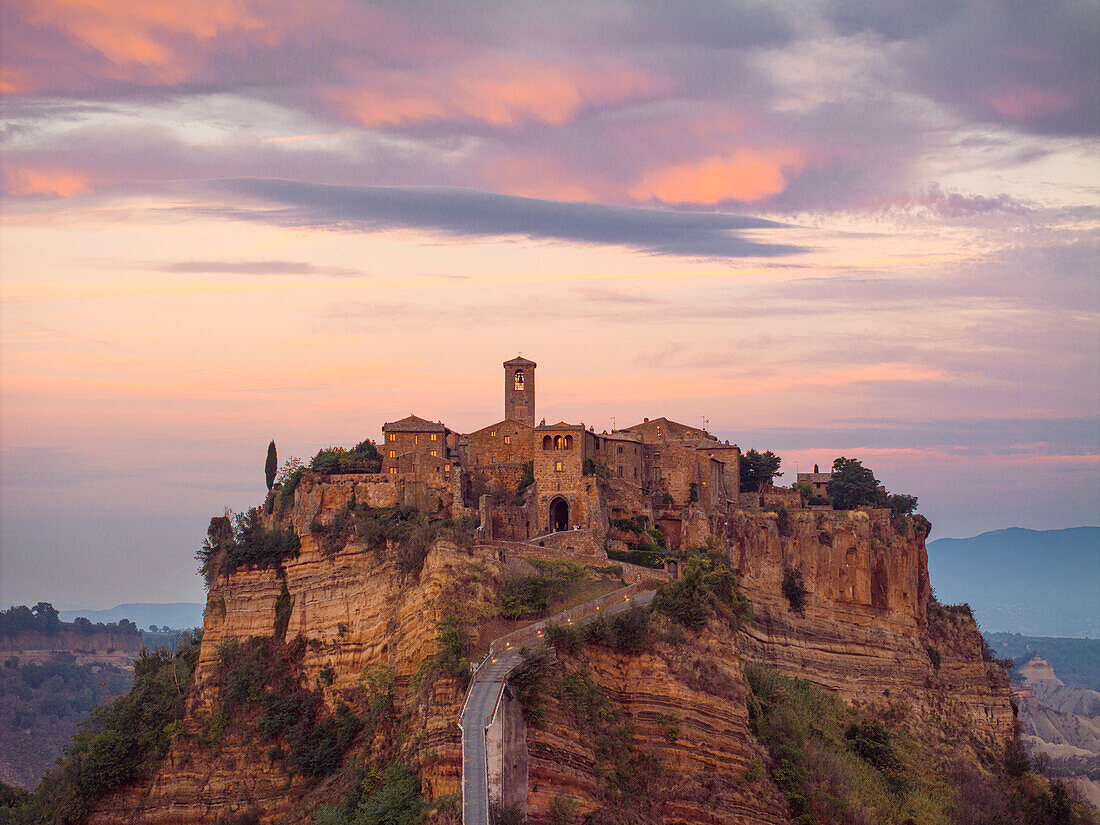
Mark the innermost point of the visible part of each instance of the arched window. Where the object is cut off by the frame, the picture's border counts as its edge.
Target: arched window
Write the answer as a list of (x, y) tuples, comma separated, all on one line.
[(569, 442), (519, 379), (559, 442), (547, 443)]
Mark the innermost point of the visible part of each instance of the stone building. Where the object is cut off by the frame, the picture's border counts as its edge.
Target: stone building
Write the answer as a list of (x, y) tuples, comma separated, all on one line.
[(818, 481), (412, 434), (659, 470)]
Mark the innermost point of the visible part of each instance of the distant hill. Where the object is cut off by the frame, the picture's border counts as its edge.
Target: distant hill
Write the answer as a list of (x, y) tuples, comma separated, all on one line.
[(1035, 582), (1076, 661), (179, 615)]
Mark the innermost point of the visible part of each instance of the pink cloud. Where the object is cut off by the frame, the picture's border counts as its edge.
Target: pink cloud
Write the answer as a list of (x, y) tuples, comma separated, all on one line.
[(746, 175), (23, 181), (495, 90)]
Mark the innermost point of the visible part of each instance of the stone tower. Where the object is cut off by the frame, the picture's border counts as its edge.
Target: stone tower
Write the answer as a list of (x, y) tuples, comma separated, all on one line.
[(519, 390)]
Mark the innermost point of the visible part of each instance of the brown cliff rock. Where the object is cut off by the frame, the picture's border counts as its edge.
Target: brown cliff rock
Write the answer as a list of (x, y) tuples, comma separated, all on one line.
[(864, 633)]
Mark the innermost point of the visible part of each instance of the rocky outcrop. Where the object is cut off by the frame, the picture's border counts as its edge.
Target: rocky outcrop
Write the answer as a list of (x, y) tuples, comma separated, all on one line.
[(863, 632)]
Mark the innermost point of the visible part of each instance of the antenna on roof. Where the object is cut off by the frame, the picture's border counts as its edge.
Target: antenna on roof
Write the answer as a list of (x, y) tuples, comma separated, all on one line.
[(612, 423)]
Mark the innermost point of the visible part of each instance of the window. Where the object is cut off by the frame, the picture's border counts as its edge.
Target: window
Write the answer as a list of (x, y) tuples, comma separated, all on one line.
[(391, 437), (492, 433), (493, 460), (620, 471), (507, 439), (435, 436), (393, 471), (559, 443), (559, 466), (446, 468), (620, 449), (435, 453), (416, 439), (635, 473), (519, 379), (393, 453)]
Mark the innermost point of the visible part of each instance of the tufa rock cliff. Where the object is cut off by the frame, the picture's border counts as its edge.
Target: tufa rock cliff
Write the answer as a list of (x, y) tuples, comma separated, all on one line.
[(348, 609)]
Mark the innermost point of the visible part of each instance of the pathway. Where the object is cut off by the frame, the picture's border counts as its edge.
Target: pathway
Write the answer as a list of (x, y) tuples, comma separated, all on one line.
[(487, 685)]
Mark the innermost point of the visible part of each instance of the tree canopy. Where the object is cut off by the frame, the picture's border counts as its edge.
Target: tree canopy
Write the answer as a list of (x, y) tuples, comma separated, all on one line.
[(854, 485), (759, 469)]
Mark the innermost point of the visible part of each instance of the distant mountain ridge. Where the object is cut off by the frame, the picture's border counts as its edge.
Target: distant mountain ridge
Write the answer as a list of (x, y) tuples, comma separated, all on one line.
[(1034, 582), (179, 615)]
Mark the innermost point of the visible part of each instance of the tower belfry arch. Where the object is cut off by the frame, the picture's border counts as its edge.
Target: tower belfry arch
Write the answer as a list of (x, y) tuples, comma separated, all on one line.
[(519, 390)]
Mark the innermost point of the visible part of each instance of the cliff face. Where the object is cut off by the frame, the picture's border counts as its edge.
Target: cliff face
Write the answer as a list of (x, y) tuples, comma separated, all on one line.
[(356, 612), (864, 633)]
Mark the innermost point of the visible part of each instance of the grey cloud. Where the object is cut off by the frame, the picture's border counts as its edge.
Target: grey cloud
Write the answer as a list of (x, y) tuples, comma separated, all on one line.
[(258, 268), (1033, 65), (462, 212)]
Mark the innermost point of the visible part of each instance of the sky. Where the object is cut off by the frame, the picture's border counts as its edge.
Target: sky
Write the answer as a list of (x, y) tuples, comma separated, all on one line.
[(862, 228)]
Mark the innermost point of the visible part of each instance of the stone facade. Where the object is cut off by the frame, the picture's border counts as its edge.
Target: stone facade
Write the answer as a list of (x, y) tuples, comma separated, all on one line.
[(669, 474)]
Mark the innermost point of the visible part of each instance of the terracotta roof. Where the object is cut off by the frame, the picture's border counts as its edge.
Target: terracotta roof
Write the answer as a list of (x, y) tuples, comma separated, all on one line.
[(413, 424), (520, 361)]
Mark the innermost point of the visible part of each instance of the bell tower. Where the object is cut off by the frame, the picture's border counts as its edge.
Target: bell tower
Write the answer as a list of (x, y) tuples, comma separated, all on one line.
[(519, 390)]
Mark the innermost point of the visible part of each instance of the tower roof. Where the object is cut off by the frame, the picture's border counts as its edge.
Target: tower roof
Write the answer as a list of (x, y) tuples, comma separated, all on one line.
[(520, 361)]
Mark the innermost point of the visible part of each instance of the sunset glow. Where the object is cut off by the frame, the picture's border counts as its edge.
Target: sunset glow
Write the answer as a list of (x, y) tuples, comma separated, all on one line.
[(826, 232)]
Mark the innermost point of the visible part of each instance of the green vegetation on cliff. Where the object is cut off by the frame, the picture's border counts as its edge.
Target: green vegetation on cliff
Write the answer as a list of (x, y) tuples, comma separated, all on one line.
[(835, 766), (119, 743)]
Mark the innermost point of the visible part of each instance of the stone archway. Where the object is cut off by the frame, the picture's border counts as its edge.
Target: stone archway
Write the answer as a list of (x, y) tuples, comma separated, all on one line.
[(559, 515)]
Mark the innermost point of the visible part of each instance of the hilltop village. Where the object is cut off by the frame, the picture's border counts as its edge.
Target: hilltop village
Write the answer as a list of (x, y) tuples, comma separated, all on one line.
[(529, 480)]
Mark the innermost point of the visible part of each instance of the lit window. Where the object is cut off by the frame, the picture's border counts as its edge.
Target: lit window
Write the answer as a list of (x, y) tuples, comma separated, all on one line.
[(416, 439), (393, 453), (446, 468), (558, 467), (393, 471), (391, 437), (519, 379), (492, 433), (435, 453), (507, 439), (435, 436)]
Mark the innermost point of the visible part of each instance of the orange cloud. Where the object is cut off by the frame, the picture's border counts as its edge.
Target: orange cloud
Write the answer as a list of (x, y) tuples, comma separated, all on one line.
[(28, 180), (498, 91), (157, 39), (748, 175)]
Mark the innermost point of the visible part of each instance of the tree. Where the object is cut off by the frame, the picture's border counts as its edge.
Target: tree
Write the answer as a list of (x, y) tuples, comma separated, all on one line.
[(854, 485), (759, 469), (901, 504), (272, 465)]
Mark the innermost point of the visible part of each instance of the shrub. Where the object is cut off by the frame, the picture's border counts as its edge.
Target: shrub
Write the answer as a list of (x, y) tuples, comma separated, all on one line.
[(794, 589), (567, 638), (529, 681), (531, 595), (452, 642), (707, 586), (934, 656), (283, 606), (525, 481), (653, 559)]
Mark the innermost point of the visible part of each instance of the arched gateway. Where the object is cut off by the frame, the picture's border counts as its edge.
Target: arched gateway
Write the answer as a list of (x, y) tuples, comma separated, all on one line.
[(559, 515)]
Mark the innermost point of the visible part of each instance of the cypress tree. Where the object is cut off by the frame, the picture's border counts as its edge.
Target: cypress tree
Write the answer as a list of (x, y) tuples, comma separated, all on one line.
[(272, 465)]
